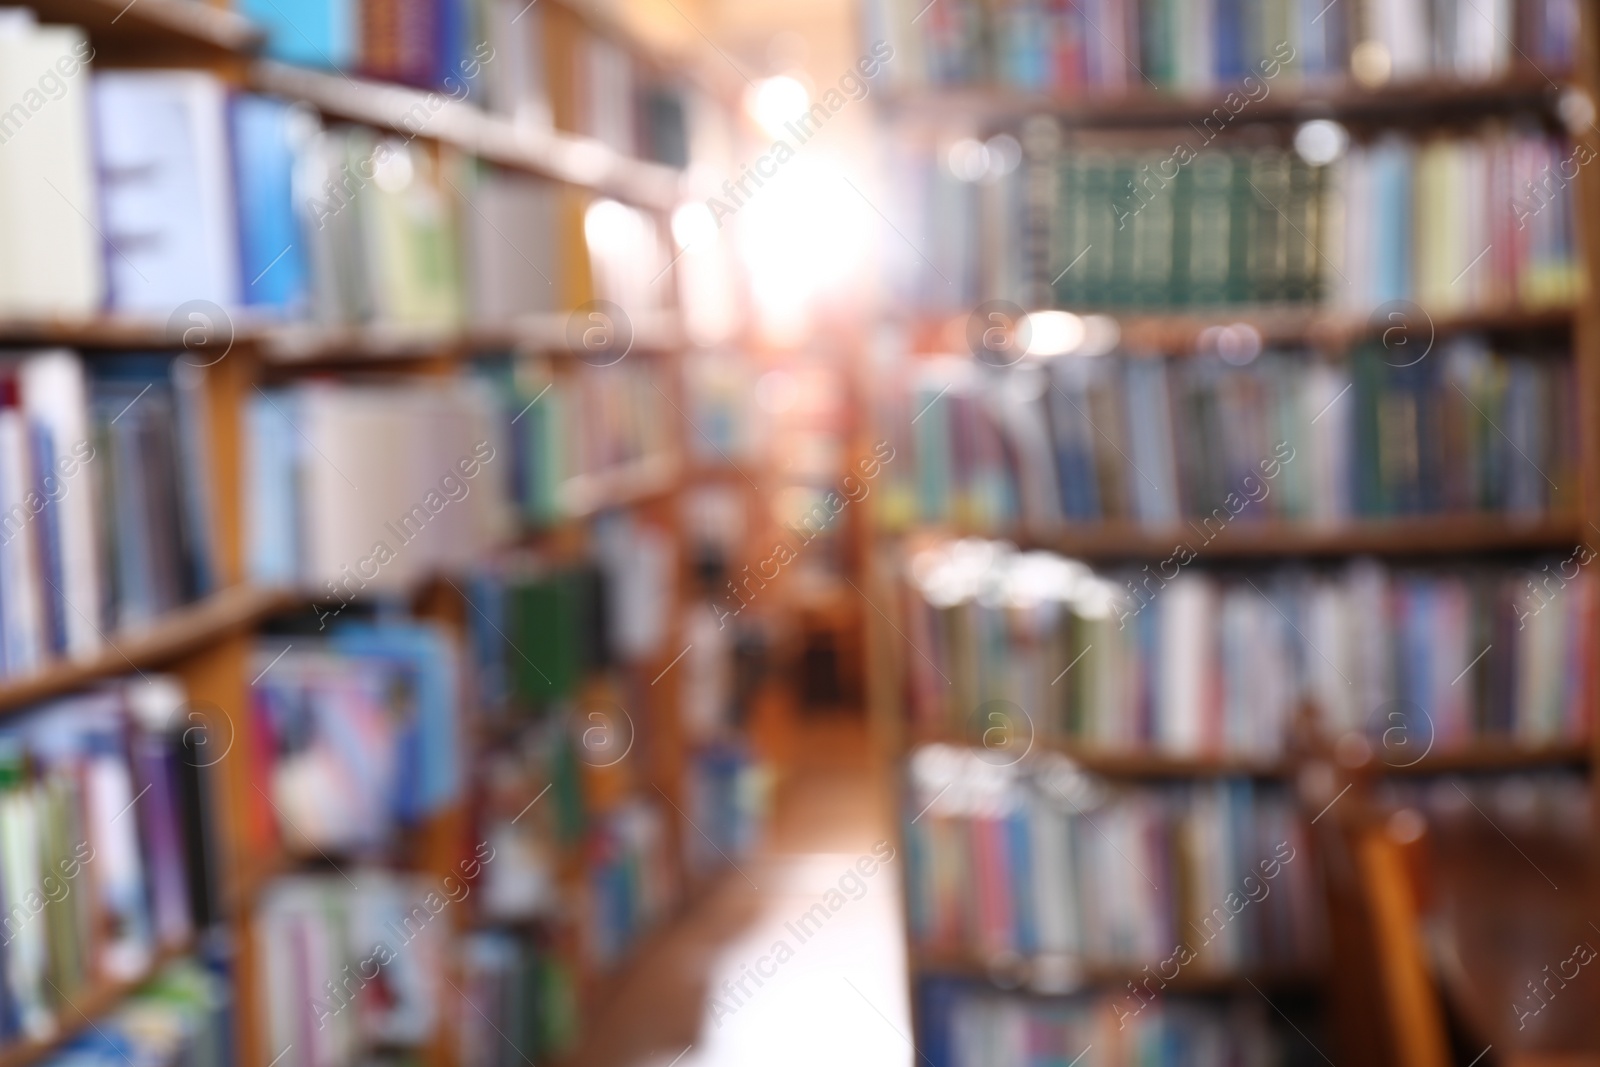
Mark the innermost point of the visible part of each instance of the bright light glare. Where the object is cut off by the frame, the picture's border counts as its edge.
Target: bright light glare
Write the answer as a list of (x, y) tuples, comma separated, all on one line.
[(1054, 333), (609, 227), (968, 159), (694, 226), (775, 101), (803, 234), (1321, 141)]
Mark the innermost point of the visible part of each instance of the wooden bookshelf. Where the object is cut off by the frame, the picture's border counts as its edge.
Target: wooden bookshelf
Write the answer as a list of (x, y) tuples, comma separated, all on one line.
[(210, 644), (1400, 103), (937, 116)]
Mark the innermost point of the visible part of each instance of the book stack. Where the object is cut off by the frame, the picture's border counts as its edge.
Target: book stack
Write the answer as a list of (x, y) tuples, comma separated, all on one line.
[(95, 850), (349, 963), (973, 1028), (1116, 46), (366, 489), (1197, 444), (179, 1017), (1220, 664), (104, 500), (357, 736), (1044, 865), (521, 1001), (580, 440)]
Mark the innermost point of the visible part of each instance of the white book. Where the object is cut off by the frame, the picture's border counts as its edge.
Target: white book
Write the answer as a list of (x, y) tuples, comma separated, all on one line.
[(167, 189), (50, 254), (55, 399), (1188, 615)]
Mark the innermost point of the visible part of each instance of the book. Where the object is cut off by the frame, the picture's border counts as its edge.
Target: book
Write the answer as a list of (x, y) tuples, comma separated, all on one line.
[(358, 736), (49, 208), (166, 190)]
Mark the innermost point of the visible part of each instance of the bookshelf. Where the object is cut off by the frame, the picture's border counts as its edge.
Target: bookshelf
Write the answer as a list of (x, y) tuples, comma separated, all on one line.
[(955, 84), (213, 643)]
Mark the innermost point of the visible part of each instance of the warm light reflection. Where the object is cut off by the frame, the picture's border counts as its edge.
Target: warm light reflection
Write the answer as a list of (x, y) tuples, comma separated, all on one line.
[(802, 236), (775, 101)]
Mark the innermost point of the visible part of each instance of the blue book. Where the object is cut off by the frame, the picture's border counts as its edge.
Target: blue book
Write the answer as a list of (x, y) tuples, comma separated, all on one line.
[(428, 775), (1391, 221), (272, 255), (310, 33)]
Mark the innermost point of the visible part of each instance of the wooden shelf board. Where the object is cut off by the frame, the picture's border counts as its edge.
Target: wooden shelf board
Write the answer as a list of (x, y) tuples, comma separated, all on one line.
[(1478, 755), (171, 28), (1486, 757), (308, 345), (1018, 975), (411, 112), (84, 1008), (174, 635), (1455, 534), (1177, 332), (1410, 102)]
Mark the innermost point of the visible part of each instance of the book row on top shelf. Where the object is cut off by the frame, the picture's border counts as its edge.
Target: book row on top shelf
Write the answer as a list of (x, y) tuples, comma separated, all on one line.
[(163, 197), (1113, 50)]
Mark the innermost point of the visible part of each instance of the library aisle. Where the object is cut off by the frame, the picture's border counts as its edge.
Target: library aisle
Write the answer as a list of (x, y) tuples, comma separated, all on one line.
[(701, 533), (754, 974)]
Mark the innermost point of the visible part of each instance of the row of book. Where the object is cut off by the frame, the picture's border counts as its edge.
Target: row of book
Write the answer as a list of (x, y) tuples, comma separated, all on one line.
[(356, 736), (630, 882), (1042, 864), (1198, 444), (540, 68), (1263, 226), (103, 855), (181, 1016), (1456, 223), (349, 963), (969, 1026), (1198, 663), (576, 437), (1106, 47), (521, 1001), (104, 515), (356, 490), (161, 193)]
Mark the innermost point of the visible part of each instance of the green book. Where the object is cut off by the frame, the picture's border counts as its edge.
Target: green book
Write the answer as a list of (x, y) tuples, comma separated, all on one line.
[(1210, 229)]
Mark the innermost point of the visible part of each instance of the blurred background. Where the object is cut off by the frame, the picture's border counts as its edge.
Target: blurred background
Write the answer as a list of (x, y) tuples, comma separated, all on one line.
[(677, 533)]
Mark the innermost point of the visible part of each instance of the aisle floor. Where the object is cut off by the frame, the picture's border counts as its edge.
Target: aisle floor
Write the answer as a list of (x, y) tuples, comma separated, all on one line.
[(838, 995)]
